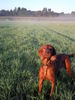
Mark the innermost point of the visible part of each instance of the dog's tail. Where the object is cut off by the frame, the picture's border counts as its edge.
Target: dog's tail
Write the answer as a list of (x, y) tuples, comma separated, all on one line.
[(71, 55)]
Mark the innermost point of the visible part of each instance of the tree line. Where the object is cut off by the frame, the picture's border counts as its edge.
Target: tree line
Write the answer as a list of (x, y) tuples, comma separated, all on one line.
[(24, 12)]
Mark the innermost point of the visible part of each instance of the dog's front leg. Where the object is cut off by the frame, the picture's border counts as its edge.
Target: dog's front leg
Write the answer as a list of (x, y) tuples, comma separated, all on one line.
[(52, 86), (40, 85)]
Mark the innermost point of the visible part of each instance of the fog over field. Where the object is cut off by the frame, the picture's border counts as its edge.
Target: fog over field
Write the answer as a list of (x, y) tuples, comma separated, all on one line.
[(66, 19)]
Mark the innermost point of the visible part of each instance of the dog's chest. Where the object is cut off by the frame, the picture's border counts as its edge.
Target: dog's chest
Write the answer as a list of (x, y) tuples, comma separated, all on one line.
[(45, 71)]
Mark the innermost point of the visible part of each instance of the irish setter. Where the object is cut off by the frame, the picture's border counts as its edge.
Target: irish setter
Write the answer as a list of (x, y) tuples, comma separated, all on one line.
[(48, 72)]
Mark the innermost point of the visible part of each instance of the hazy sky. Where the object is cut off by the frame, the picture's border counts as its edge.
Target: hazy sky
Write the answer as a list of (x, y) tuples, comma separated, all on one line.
[(56, 5)]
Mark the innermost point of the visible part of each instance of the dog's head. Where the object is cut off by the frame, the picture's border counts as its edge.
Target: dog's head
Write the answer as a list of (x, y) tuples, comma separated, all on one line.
[(46, 51)]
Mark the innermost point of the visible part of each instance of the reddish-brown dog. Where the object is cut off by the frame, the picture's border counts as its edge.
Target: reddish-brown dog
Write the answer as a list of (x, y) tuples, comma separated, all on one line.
[(48, 71), (46, 52)]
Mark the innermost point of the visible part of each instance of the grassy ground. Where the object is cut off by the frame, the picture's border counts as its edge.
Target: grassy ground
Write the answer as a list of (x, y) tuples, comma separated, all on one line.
[(19, 62)]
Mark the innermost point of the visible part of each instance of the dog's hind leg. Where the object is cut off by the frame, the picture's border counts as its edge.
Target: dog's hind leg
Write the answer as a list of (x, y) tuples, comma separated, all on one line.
[(68, 66)]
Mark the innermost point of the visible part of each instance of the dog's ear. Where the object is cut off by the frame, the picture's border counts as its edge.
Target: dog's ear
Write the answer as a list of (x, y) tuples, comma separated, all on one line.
[(40, 53), (53, 51), (53, 58)]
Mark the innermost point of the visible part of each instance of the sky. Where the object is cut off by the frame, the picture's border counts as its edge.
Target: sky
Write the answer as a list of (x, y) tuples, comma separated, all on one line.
[(56, 5)]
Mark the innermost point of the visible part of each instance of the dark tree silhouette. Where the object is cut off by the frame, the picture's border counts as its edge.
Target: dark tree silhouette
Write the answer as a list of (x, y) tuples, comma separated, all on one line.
[(24, 12)]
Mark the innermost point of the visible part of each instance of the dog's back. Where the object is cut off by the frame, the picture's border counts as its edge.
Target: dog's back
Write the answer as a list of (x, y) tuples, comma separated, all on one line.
[(59, 62), (63, 61)]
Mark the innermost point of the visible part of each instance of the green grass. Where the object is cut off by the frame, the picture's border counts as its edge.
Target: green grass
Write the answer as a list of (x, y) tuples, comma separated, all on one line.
[(19, 61)]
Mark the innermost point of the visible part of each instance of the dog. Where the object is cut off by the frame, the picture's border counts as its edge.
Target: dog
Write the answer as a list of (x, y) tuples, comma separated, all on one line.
[(46, 52), (48, 72)]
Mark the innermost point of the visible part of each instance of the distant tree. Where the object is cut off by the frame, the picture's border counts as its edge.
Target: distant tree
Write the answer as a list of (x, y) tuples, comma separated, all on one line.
[(18, 9), (7, 13), (38, 13), (15, 12), (49, 10), (73, 13), (44, 12), (3, 13), (21, 11), (24, 12), (62, 14), (11, 13)]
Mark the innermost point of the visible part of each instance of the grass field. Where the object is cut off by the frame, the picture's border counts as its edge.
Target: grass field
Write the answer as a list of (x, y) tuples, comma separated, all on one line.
[(19, 61)]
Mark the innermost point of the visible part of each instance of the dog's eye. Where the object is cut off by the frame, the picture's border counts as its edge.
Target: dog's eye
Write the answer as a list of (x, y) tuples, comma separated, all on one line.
[(48, 50)]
